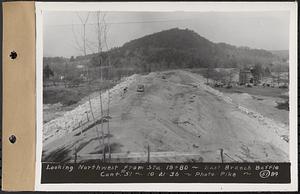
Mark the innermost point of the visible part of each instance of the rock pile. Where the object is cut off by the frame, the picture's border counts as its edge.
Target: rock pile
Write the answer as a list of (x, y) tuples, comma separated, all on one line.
[(81, 114)]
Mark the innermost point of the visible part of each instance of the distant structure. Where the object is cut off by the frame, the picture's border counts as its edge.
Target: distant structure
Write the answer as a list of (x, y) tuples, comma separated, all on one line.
[(245, 76)]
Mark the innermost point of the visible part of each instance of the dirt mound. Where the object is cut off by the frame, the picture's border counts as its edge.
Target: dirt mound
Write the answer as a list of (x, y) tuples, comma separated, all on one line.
[(245, 96), (176, 113)]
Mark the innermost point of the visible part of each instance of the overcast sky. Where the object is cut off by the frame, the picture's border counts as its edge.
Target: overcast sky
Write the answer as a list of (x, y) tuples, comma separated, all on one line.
[(263, 30)]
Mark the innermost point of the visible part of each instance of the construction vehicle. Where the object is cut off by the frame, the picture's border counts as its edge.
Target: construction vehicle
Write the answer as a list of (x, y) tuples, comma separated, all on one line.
[(140, 88)]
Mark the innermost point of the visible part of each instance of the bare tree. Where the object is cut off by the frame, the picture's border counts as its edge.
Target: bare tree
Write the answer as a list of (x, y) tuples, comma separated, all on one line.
[(82, 45), (230, 77), (278, 74), (99, 49), (105, 31), (65, 74), (278, 71), (208, 73)]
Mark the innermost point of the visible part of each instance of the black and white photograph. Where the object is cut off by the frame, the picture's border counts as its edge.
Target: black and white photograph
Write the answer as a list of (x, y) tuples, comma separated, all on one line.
[(165, 87)]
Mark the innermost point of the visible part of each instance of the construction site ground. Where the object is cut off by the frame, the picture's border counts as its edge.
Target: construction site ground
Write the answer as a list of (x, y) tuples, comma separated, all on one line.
[(178, 118)]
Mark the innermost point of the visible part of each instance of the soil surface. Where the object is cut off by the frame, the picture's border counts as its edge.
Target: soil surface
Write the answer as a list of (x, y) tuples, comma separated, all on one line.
[(177, 118)]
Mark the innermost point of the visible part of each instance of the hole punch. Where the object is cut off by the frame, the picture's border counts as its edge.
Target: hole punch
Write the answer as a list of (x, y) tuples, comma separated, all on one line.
[(12, 139), (13, 55)]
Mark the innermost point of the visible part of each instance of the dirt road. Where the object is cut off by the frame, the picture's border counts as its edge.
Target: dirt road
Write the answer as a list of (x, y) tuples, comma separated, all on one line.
[(177, 113)]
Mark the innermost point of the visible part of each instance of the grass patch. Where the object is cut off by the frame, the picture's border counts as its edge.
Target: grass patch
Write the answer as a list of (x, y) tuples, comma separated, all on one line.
[(65, 96), (256, 90), (70, 96)]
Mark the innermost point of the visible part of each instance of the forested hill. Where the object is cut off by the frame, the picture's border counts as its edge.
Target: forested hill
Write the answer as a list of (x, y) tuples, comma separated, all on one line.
[(181, 48), (281, 54), (177, 48)]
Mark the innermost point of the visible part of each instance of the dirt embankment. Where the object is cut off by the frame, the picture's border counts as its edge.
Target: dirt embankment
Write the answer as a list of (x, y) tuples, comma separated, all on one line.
[(176, 113)]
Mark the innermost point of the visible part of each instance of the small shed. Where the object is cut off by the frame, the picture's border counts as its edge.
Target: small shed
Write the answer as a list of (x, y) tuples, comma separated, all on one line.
[(245, 76)]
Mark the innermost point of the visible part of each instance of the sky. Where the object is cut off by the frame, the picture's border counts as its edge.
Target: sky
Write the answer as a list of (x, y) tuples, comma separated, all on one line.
[(261, 30)]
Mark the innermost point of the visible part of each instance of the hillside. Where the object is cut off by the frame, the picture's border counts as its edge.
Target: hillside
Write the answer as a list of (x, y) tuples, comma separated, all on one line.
[(181, 48), (169, 49), (281, 54), (165, 50)]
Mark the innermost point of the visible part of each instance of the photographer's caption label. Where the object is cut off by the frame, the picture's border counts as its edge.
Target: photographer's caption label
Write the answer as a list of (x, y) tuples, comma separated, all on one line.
[(166, 172)]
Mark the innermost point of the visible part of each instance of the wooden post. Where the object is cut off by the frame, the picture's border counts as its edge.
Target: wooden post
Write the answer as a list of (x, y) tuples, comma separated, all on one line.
[(108, 140), (104, 154), (87, 116), (104, 146), (80, 128), (148, 150), (75, 159), (75, 154), (221, 153)]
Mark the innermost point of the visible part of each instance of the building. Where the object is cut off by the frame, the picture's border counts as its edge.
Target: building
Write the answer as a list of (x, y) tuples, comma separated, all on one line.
[(245, 76)]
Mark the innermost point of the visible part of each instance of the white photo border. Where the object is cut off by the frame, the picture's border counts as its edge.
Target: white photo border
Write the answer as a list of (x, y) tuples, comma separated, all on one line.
[(167, 7)]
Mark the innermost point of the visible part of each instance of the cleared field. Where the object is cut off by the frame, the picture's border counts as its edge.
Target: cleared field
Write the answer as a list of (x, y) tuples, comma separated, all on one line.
[(59, 99), (258, 91), (71, 95), (270, 102)]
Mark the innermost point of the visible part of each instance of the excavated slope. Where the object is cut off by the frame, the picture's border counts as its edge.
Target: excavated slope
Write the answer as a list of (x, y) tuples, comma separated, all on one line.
[(177, 116)]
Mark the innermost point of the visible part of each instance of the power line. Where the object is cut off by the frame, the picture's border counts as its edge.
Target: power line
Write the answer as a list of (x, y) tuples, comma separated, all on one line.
[(129, 22)]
